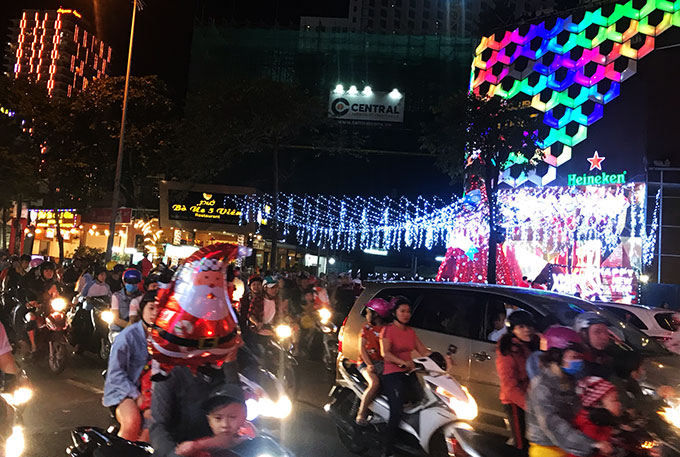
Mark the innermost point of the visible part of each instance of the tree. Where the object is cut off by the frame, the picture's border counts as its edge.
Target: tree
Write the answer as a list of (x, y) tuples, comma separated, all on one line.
[(238, 128), (480, 137)]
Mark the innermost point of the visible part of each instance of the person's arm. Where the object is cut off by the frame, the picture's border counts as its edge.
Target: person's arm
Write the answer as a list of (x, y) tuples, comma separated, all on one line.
[(364, 353), (421, 348), (7, 363), (508, 375), (118, 385), (558, 430), (163, 402)]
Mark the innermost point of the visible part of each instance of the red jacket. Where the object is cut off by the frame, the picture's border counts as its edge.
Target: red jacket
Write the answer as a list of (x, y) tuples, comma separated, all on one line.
[(512, 371), (596, 432)]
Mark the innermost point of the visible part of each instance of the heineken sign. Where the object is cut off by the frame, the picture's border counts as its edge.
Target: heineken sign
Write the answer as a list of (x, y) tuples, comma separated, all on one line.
[(596, 180)]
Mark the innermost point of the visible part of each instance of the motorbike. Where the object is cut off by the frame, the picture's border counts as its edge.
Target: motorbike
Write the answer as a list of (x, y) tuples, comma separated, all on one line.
[(275, 354), (95, 442), (319, 328), (427, 425), (52, 327), (14, 396), (89, 322)]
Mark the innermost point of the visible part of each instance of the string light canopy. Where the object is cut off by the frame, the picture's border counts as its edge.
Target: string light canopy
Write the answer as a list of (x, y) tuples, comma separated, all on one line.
[(555, 216)]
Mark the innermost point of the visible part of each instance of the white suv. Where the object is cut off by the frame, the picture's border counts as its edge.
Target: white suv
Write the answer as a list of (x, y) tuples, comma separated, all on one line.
[(658, 323)]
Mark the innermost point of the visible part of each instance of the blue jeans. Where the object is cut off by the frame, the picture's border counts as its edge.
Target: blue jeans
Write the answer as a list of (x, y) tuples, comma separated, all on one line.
[(399, 388)]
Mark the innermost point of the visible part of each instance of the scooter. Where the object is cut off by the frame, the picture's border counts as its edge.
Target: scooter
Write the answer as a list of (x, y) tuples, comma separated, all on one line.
[(14, 397), (52, 327), (329, 339), (89, 322), (427, 426), (95, 442)]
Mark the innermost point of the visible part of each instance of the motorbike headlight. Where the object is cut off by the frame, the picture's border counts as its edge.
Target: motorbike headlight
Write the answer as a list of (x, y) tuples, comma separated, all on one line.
[(14, 446), (19, 397), (107, 316), (279, 410), (465, 409), (58, 304), (283, 331), (325, 315), (671, 414), (253, 409)]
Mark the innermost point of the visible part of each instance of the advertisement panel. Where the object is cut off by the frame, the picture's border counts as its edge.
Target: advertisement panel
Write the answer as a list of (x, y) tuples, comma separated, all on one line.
[(366, 106)]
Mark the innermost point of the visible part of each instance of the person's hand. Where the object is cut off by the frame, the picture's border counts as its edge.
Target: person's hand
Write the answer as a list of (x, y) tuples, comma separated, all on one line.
[(187, 448), (604, 447), (370, 368), (409, 365)]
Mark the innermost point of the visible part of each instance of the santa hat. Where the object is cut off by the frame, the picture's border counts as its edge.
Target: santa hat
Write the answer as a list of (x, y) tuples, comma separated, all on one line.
[(592, 389), (196, 324)]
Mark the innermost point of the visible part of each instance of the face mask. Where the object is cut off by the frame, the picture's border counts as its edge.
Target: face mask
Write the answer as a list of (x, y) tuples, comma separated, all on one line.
[(131, 287), (574, 367)]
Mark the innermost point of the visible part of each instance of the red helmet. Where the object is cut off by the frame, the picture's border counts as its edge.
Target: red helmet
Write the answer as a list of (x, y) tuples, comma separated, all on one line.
[(381, 306), (560, 337)]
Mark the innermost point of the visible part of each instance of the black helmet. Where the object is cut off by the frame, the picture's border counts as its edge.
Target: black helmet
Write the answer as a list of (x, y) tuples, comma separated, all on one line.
[(520, 317), (48, 265), (25, 258)]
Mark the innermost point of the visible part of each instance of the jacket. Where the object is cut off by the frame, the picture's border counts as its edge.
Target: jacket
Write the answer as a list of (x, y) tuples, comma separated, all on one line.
[(512, 371), (552, 406), (591, 430), (129, 356)]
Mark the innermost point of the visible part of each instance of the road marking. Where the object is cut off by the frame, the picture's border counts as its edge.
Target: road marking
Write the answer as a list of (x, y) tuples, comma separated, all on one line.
[(82, 385)]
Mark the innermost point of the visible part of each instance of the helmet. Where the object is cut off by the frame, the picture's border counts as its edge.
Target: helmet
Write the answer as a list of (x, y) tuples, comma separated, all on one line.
[(47, 266), (381, 307), (254, 278), (270, 281), (118, 268), (586, 320), (520, 317), (110, 265), (132, 276), (560, 337)]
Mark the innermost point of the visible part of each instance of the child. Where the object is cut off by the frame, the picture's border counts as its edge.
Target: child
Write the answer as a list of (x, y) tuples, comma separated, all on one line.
[(371, 362), (226, 412), (601, 409)]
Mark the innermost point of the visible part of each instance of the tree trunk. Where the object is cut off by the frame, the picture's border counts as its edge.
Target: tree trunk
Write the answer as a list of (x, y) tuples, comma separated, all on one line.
[(4, 228), (17, 227), (60, 238), (489, 184), (274, 218)]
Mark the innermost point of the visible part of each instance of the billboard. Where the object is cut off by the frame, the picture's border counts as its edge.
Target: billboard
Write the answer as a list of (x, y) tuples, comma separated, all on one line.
[(366, 105), (201, 207)]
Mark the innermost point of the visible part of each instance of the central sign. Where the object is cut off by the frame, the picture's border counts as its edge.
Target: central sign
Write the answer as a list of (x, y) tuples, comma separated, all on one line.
[(372, 106)]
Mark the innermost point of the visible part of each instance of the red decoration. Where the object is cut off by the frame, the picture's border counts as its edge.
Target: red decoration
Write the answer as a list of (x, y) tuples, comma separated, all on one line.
[(196, 324), (596, 162)]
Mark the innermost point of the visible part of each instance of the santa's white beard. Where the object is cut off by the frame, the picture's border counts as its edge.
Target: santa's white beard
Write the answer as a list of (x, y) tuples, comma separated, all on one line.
[(195, 301)]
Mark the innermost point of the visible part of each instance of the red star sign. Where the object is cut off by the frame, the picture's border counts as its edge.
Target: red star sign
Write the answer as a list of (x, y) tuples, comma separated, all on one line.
[(595, 161)]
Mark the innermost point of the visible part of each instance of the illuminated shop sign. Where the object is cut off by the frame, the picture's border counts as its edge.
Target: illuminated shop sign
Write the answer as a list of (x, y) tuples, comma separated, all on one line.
[(202, 207), (599, 284), (46, 218), (352, 105)]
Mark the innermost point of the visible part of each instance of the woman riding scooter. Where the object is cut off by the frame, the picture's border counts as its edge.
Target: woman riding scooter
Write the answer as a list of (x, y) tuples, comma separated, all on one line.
[(397, 343)]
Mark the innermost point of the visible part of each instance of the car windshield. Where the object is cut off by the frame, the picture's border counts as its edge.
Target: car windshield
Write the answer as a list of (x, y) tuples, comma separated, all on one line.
[(566, 309)]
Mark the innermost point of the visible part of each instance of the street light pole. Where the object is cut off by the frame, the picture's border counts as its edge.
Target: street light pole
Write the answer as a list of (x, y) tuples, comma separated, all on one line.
[(121, 143)]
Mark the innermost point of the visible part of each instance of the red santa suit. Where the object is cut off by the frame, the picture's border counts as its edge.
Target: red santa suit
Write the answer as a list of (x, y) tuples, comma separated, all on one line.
[(196, 324)]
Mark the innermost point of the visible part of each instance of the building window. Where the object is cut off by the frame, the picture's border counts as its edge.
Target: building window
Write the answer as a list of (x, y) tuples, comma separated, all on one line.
[(412, 3), (354, 20), (397, 24), (371, 2), (371, 12), (426, 4), (383, 23), (425, 25), (370, 23), (411, 14), (426, 14), (384, 2), (411, 25), (383, 13), (355, 8)]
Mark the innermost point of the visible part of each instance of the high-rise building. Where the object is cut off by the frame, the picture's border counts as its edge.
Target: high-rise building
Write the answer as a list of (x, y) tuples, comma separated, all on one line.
[(54, 47)]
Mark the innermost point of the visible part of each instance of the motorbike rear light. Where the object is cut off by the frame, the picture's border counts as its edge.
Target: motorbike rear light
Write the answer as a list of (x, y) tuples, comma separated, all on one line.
[(341, 334), (455, 449)]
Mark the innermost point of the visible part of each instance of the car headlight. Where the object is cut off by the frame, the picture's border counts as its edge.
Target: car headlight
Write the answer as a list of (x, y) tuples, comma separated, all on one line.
[(58, 304), (107, 316), (465, 409), (671, 414), (283, 331), (14, 446), (325, 315)]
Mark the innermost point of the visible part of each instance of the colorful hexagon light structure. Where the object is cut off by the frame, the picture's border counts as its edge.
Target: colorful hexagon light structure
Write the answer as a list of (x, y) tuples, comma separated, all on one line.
[(564, 63)]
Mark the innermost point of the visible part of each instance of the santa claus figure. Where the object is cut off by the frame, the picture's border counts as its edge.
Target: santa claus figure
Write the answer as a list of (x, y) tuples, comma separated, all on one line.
[(196, 324)]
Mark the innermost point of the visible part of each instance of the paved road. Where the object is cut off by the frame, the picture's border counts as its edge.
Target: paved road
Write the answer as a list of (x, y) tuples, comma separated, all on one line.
[(74, 398)]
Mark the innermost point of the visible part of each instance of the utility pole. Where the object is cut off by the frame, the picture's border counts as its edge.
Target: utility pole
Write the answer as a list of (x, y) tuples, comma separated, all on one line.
[(121, 143)]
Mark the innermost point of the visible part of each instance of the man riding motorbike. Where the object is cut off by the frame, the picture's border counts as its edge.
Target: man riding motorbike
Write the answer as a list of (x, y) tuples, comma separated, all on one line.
[(114, 279), (129, 356), (265, 310), (121, 300), (37, 291), (594, 331), (16, 274)]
